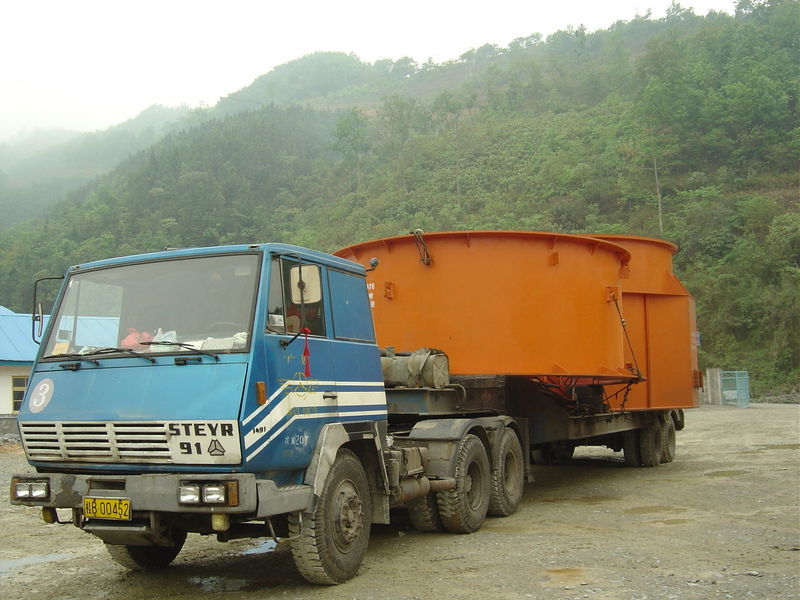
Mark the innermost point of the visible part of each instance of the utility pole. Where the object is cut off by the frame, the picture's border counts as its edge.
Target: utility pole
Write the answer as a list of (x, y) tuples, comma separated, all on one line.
[(658, 193)]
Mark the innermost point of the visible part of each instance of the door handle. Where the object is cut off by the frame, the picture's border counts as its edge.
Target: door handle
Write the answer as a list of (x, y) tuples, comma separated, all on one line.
[(329, 395)]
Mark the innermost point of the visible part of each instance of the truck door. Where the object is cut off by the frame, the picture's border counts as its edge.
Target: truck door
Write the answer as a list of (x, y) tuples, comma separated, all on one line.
[(359, 380), (300, 382)]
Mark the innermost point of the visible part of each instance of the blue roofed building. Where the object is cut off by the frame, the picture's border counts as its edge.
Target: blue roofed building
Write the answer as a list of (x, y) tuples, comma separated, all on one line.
[(17, 352)]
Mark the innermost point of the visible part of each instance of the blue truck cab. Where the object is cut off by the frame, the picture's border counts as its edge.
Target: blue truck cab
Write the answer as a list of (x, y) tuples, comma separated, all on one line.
[(238, 392)]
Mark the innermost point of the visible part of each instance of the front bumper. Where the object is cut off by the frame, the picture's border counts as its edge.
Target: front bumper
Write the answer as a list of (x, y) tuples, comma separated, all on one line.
[(257, 498)]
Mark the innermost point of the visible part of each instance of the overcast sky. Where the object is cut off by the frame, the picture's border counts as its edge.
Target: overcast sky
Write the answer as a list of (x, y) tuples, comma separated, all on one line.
[(88, 64)]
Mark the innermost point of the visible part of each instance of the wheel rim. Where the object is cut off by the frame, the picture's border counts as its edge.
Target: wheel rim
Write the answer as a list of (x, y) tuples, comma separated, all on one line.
[(511, 469), (473, 485), (348, 516)]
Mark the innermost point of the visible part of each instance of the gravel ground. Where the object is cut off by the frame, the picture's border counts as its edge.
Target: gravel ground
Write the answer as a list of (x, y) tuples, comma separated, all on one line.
[(722, 521)]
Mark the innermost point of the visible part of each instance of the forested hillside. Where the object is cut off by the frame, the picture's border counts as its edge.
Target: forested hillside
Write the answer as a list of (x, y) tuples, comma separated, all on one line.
[(579, 132), (40, 169)]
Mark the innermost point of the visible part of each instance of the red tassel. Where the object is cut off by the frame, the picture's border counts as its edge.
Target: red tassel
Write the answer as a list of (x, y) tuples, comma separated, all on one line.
[(306, 352)]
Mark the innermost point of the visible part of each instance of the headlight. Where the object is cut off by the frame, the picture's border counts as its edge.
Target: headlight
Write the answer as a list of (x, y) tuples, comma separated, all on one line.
[(31, 489), (40, 490), (189, 493), (209, 492), (22, 490), (214, 494)]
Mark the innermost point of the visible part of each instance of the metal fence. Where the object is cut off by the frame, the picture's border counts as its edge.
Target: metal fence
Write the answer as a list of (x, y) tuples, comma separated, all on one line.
[(735, 388)]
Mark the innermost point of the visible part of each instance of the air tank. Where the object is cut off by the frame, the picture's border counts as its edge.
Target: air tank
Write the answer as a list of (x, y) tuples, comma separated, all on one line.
[(501, 302)]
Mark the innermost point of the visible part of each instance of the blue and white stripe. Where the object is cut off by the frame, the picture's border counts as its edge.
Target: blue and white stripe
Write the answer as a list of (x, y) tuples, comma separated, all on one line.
[(299, 399)]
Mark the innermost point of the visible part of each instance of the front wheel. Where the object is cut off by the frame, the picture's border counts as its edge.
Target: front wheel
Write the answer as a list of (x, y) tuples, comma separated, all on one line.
[(147, 558), (331, 540), (463, 509)]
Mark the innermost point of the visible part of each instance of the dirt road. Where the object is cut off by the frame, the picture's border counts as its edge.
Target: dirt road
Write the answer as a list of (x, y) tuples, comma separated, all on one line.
[(722, 521)]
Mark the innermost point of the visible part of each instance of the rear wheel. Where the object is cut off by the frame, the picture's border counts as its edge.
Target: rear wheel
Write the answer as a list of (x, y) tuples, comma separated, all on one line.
[(463, 509), (630, 447), (651, 444), (147, 558), (668, 447), (508, 478), (424, 513), (331, 540)]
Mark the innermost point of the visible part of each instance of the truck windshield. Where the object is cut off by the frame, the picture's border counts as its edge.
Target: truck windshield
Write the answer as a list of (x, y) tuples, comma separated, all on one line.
[(202, 303)]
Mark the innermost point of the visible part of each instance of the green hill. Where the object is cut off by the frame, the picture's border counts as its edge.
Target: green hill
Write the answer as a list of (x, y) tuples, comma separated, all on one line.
[(683, 127)]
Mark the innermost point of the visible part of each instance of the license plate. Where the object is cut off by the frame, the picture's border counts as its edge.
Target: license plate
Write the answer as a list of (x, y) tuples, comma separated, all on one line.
[(118, 509)]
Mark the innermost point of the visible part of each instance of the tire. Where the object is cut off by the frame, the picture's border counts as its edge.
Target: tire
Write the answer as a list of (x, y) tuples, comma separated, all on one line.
[(563, 452), (463, 509), (147, 558), (651, 444), (668, 442), (331, 540), (508, 478), (630, 447), (679, 418), (424, 514), (541, 456)]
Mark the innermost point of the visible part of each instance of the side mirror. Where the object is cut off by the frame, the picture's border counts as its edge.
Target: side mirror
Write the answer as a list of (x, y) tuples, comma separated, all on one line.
[(305, 284), (37, 315), (38, 318)]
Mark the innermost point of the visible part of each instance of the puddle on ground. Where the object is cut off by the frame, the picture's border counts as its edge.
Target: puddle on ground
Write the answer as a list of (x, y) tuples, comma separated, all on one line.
[(764, 447), (673, 521), (729, 473), (8, 566), (583, 499), (649, 510), (215, 585), (567, 572), (782, 447), (262, 548)]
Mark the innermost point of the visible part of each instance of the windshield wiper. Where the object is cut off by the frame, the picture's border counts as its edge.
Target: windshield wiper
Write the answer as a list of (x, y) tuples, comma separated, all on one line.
[(81, 357), (183, 345), (122, 351)]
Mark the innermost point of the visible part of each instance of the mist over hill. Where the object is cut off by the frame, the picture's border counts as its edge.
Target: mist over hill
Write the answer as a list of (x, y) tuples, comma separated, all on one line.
[(684, 128), (39, 168)]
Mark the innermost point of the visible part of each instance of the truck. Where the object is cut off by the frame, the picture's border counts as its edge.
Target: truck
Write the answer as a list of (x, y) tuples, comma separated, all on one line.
[(277, 392)]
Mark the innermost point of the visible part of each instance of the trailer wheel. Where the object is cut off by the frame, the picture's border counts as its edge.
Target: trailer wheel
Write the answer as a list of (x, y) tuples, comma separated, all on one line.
[(147, 558), (424, 513), (630, 447), (331, 540), (651, 444), (508, 478), (463, 509), (668, 447), (679, 418)]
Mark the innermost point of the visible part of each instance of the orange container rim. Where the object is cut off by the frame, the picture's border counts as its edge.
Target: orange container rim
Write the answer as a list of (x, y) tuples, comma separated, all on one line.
[(611, 237), (588, 240)]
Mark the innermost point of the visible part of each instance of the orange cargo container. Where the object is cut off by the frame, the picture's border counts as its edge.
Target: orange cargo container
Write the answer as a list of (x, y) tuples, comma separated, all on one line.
[(539, 305), (661, 323)]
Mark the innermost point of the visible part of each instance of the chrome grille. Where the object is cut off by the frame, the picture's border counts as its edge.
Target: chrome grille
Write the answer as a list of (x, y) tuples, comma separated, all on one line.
[(121, 442)]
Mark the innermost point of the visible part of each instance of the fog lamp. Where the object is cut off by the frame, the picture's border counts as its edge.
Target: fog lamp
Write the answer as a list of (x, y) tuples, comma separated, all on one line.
[(189, 493)]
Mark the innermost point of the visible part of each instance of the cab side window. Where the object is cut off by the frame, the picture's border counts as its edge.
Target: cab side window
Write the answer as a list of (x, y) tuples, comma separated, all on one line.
[(295, 298), (276, 319)]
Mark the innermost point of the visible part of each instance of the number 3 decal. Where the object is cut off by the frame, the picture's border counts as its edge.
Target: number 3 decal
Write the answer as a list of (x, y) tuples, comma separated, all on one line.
[(40, 396)]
